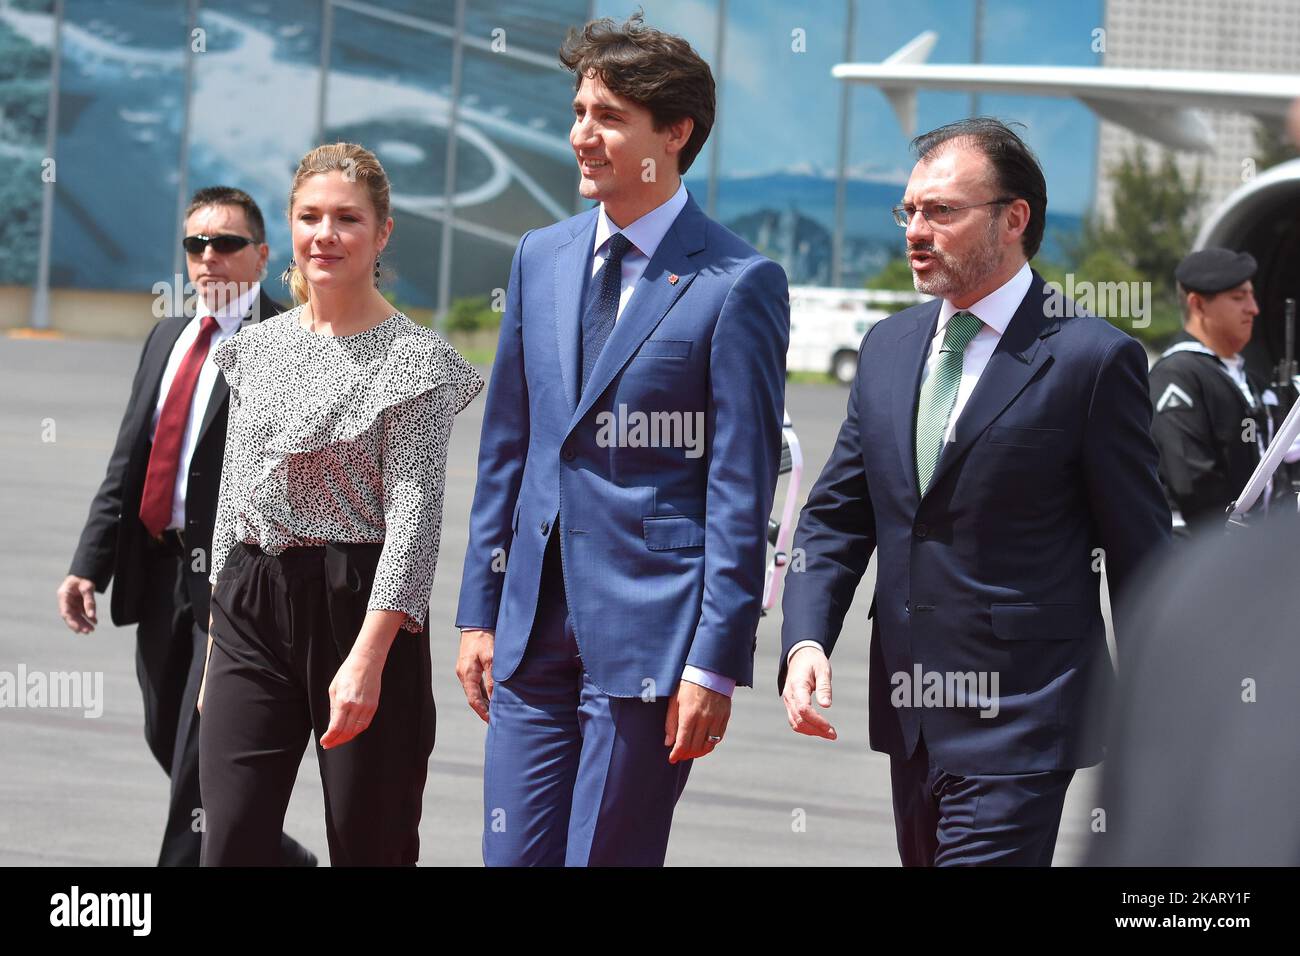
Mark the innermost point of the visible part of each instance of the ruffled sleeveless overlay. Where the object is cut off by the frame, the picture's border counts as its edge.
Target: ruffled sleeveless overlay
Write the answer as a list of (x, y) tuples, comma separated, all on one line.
[(341, 438)]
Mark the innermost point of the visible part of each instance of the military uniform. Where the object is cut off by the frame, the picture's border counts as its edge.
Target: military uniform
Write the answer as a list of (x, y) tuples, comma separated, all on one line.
[(1213, 421), (1213, 418)]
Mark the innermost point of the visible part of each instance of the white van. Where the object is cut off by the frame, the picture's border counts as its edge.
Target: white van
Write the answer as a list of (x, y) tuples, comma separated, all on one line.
[(827, 326)]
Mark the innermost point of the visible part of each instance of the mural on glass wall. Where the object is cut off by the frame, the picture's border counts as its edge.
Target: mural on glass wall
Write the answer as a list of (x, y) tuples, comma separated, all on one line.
[(257, 104)]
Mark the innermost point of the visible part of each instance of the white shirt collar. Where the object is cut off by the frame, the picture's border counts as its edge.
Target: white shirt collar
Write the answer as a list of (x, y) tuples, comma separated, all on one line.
[(1196, 345), (647, 232), (996, 308), (232, 313)]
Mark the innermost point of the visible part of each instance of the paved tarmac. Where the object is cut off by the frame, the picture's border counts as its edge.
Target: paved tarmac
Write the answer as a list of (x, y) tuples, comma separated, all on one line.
[(86, 792)]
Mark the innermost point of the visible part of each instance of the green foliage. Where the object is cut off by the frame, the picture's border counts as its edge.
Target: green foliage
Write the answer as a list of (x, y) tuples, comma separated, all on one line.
[(1155, 217), (895, 277), (24, 88), (20, 221), (1153, 228), (1099, 270), (1166, 322), (1104, 264), (24, 95), (472, 314), (1272, 146)]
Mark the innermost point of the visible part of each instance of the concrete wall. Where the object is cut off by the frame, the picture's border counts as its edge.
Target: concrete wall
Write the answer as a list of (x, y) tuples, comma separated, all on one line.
[(82, 313)]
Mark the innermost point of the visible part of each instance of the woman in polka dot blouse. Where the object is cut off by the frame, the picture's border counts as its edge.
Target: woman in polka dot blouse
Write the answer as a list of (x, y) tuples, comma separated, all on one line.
[(326, 541)]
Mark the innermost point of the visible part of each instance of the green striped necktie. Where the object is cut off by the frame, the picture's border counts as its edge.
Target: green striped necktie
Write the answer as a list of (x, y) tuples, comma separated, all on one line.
[(939, 393)]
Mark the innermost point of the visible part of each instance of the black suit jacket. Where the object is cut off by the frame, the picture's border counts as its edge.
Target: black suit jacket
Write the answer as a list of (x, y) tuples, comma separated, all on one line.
[(112, 543), (993, 572)]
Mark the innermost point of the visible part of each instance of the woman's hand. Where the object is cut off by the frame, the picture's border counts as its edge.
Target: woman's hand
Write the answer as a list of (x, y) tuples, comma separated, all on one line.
[(354, 698), (354, 692)]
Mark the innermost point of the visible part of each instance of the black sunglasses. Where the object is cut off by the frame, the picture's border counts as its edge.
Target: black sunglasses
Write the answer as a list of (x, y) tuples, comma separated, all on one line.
[(225, 245)]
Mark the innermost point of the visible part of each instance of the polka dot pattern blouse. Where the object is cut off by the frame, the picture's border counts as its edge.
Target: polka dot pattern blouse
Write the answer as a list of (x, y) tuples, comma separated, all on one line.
[(342, 438)]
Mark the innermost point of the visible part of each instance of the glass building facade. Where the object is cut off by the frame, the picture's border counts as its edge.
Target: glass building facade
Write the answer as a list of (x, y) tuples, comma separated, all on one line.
[(467, 107)]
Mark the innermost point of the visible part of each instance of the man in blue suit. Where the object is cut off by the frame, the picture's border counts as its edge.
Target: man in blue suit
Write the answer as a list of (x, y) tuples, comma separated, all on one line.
[(997, 455), (626, 470)]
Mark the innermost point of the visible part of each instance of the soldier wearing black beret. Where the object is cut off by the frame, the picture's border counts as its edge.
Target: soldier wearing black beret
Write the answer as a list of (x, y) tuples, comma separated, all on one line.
[(1213, 417)]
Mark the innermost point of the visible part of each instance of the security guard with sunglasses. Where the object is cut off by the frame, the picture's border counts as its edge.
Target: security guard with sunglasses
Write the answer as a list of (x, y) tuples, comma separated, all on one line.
[(150, 526)]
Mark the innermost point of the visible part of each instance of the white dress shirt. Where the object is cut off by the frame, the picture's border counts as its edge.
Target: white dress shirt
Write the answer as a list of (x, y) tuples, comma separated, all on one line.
[(228, 322), (995, 311), (645, 234), (1236, 366)]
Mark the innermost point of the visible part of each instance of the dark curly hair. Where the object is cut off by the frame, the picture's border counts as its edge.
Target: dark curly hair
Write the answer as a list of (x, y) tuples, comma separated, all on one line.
[(657, 70)]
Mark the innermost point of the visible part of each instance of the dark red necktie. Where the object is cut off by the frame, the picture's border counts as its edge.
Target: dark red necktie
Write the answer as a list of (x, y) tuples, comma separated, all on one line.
[(164, 459)]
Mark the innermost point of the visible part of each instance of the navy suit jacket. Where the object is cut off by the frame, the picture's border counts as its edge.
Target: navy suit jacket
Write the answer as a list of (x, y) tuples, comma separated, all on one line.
[(663, 548), (996, 567)]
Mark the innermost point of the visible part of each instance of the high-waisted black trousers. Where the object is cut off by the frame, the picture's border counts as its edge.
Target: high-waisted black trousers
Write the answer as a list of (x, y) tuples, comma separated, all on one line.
[(282, 625)]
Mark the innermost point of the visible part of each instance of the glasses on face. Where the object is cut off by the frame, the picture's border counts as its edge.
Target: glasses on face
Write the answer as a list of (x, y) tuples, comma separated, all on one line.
[(938, 213), (224, 244)]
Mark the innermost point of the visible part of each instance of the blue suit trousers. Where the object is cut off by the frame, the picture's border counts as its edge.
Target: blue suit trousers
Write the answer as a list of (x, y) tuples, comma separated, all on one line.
[(573, 776)]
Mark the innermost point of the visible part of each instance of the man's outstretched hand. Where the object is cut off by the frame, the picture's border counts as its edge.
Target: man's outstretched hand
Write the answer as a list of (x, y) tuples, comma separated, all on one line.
[(809, 672)]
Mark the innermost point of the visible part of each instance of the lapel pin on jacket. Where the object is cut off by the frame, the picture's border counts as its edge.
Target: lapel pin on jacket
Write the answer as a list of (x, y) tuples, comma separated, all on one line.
[(672, 278)]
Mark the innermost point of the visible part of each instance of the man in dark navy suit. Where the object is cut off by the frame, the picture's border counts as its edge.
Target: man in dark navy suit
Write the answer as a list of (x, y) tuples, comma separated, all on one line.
[(997, 453), (150, 526)]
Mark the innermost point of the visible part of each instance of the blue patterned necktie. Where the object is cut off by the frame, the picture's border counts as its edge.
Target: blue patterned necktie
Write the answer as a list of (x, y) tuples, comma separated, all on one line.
[(939, 394), (602, 304)]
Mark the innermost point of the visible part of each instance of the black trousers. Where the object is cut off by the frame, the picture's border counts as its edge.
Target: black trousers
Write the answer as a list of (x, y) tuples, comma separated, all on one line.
[(170, 645), (946, 819), (282, 626)]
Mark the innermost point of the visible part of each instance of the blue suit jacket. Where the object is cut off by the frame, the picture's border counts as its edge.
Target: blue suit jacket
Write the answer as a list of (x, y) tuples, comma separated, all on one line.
[(994, 569), (663, 553)]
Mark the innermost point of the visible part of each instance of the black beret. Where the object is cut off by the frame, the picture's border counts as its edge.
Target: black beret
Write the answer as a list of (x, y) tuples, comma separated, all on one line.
[(1213, 270)]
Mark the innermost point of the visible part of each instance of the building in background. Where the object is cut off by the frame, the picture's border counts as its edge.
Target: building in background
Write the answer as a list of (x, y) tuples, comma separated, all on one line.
[(1261, 36), (467, 107), (158, 98)]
